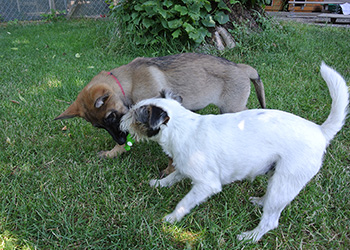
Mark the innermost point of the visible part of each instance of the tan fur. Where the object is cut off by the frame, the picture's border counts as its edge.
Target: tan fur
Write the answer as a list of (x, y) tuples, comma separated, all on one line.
[(199, 79)]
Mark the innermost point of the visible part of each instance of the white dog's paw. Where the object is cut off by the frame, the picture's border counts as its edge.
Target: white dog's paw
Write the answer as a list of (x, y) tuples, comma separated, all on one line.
[(154, 183), (257, 201), (176, 215), (171, 218), (248, 236)]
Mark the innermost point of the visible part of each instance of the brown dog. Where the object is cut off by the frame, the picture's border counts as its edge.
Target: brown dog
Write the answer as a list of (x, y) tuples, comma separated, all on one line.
[(199, 79)]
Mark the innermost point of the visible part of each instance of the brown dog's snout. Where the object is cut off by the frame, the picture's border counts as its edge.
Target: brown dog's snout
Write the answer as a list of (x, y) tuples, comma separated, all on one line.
[(117, 135), (97, 125), (111, 123)]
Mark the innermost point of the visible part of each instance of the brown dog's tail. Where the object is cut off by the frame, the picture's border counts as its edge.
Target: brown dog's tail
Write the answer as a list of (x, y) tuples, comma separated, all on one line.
[(258, 85), (260, 92)]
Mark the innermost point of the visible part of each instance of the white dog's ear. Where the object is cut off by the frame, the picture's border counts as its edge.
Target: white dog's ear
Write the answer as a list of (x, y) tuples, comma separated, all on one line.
[(152, 117), (168, 94)]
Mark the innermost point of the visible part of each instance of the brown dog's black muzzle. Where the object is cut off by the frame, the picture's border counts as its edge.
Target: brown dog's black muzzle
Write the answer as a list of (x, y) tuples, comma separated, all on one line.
[(117, 135), (111, 124)]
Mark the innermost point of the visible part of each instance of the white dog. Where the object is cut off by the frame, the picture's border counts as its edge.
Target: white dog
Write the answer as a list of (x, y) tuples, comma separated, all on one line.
[(213, 150)]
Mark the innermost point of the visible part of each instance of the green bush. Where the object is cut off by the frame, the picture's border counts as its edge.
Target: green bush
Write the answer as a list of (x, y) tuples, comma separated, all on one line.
[(149, 21), (54, 16)]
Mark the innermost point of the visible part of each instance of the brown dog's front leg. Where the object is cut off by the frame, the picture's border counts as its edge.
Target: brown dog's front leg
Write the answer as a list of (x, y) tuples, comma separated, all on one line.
[(169, 169), (114, 152)]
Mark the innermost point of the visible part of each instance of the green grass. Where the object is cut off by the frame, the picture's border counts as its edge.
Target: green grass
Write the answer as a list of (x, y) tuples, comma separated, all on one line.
[(57, 194)]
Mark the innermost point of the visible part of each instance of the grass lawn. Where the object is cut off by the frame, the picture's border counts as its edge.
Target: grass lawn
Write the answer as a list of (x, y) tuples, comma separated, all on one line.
[(55, 193)]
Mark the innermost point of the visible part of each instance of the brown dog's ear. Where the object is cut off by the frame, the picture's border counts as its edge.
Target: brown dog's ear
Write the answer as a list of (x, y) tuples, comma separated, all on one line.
[(100, 101), (72, 111)]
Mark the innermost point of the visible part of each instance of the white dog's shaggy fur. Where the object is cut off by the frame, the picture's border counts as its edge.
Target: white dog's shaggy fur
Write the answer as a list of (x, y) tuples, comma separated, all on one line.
[(213, 150)]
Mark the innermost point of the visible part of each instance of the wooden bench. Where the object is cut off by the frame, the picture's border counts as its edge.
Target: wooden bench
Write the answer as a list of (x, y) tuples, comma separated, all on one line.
[(324, 4), (334, 17)]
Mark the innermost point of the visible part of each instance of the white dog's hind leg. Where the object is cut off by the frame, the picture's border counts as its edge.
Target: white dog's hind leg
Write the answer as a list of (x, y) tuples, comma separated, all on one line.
[(281, 190), (168, 181), (198, 194)]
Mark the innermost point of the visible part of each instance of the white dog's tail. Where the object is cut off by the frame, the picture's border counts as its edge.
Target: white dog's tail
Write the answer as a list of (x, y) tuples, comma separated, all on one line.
[(340, 100)]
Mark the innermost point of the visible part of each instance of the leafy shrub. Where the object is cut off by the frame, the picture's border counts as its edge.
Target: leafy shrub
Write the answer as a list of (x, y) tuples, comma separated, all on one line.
[(54, 16), (149, 21)]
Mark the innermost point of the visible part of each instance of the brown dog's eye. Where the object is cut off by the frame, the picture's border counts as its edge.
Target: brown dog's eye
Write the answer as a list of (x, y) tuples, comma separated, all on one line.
[(113, 118)]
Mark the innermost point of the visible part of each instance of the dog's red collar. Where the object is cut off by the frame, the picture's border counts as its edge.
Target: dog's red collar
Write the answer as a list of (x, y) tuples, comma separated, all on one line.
[(116, 79)]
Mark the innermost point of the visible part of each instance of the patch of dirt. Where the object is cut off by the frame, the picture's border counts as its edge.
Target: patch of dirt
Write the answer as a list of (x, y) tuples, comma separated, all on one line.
[(244, 16)]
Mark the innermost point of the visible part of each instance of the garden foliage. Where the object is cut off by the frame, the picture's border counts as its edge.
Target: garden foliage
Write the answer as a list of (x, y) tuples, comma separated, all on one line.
[(147, 21)]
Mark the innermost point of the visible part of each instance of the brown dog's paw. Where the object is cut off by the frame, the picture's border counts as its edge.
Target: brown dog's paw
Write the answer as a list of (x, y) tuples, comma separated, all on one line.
[(168, 170), (162, 174), (107, 154), (114, 153)]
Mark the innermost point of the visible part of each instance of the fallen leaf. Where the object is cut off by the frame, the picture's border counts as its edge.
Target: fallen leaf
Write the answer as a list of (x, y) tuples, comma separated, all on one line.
[(14, 101), (64, 128), (8, 140)]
